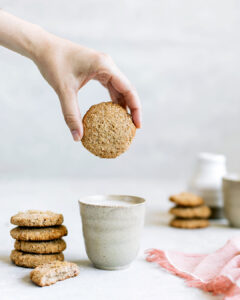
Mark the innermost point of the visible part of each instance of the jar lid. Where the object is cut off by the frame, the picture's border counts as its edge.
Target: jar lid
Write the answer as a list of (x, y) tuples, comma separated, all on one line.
[(211, 157)]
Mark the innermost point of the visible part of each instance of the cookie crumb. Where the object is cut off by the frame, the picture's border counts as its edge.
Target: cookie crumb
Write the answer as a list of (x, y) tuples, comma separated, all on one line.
[(50, 273)]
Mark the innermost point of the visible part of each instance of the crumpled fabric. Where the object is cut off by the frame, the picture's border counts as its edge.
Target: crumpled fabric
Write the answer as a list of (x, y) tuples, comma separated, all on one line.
[(217, 272)]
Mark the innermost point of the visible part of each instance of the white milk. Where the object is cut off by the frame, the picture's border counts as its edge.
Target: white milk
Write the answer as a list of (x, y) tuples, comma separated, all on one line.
[(112, 201)]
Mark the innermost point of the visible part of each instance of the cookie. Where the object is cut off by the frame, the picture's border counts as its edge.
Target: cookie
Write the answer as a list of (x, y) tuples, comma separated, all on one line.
[(186, 199), (108, 130), (38, 233), (37, 218), (50, 273), (30, 260), (191, 212), (47, 247), (190, 223)]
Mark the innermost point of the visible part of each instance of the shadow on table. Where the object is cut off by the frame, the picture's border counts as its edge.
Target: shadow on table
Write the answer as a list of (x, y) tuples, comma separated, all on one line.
[(5, 259), (26, 279), (83, 263)]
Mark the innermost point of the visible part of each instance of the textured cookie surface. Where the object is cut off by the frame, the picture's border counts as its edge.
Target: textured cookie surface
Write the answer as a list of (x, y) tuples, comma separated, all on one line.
[(108, 130), (34, 218), (30, 260), (38, 234), (190, 223), (186, 199), (50, 273), (45, 247), (191, 212)]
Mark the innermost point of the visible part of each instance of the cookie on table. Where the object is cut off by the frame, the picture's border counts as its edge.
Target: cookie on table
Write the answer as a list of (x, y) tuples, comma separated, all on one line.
[(45, 247), (50, 273), (37, 218), (189, 223), (186, 199), (30, 260), (38, 233), (108, 130), (202, 211)]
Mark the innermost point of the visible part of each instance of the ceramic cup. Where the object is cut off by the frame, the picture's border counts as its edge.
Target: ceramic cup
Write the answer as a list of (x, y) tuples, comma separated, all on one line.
[(112, 227), (231, 196)]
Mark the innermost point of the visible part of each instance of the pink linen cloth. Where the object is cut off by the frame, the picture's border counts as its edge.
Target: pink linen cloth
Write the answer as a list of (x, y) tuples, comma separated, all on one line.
[(218, 272)]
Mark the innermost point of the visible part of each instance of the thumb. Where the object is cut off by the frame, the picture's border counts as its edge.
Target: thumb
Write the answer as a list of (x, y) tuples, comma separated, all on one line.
[(71, 113)]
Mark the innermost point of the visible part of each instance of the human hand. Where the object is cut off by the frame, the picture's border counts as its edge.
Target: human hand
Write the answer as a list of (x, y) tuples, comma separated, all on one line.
[(67, 67)]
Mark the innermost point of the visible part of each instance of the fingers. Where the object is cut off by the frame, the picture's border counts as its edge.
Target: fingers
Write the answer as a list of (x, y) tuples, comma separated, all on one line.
[(120, 89), (116, 96), (71, 112), (121, 84)]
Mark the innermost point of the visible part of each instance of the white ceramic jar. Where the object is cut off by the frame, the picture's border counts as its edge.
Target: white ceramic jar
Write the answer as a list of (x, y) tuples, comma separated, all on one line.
[(206, 181), (112, 227)]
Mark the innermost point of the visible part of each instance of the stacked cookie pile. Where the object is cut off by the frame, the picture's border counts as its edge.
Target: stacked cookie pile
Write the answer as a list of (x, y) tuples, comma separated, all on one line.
[(189, 212), (38, 238)]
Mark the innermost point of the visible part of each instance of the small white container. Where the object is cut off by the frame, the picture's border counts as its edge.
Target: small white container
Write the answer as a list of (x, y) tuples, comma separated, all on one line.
[(231, 196), (206, 181)]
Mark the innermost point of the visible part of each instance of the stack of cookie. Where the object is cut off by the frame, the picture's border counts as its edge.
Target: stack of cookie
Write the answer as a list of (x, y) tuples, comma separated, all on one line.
[(189, 212), (38, 238)]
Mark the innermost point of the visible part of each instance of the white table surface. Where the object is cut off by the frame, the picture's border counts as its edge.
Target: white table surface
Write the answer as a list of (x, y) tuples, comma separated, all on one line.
[(142, 281)]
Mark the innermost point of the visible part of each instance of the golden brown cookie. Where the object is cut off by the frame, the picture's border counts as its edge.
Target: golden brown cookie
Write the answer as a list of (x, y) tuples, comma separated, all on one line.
[(202, 211), (108, 130), (38, 233), (30, 260), (189, 223), (186, 199), (37, 218), (47, 247), (50, 273)]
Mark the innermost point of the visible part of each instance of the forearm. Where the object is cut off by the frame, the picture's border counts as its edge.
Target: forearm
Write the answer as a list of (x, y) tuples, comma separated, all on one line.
[(67, 67), (20, 36)]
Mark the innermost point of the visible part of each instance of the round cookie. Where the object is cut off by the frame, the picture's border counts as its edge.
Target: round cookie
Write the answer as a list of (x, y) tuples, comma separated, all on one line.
[(108, 130), (30, 260), (37, 218), (191, 212), (47, 247), (186, 199), (38, 234), (190, 223)]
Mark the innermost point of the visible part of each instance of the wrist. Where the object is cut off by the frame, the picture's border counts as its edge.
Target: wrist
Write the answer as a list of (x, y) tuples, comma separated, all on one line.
[(40, 44)]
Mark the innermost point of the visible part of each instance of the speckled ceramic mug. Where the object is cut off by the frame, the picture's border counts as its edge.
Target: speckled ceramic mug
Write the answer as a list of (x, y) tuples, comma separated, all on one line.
[(112, 227), (231, 197)]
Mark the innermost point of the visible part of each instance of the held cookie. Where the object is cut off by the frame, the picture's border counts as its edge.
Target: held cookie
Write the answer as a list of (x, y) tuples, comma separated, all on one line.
[(37, 218), (47, 247), (108, 130), (50, 273), (191, 212), (186, 199), (30, 260), (38, 234), (190, 223)]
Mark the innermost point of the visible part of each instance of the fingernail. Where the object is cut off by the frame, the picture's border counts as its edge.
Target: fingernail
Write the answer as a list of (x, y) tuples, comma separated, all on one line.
[(76, 135), (139, 123)]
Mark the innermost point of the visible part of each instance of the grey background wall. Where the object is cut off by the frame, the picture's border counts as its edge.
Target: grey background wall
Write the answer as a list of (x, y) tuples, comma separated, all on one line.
[(182, 56)]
